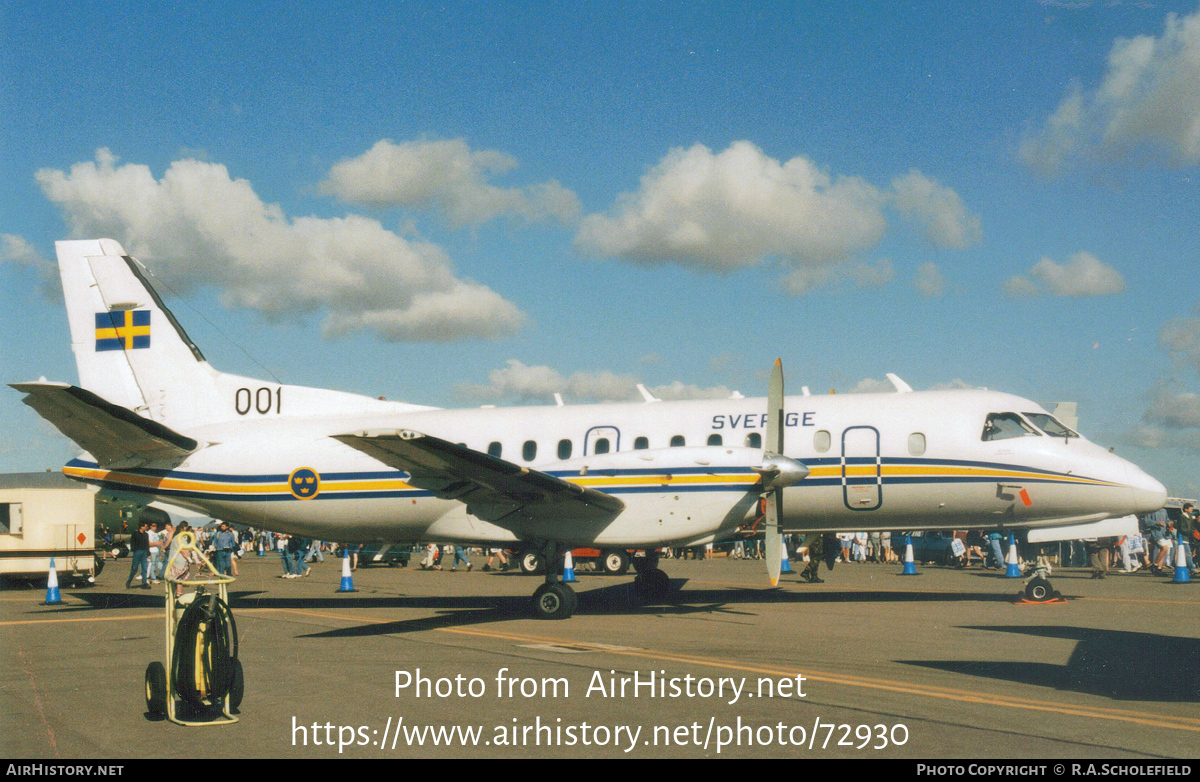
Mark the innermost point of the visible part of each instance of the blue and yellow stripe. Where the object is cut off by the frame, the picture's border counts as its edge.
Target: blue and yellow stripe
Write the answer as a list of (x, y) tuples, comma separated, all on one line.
[(393, 483)]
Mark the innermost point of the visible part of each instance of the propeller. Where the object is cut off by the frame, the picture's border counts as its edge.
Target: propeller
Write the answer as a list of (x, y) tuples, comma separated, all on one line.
[(778, 471)]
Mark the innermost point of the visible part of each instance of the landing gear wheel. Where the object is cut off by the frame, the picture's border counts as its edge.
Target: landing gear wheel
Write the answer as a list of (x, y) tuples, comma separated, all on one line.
[(1038, 589), (652, 586), (554, 601), (615, 562), (156, 689), (530, 561)]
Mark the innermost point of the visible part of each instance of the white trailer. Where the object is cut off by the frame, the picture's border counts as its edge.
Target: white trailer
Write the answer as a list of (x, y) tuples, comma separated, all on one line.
[(44, 515)]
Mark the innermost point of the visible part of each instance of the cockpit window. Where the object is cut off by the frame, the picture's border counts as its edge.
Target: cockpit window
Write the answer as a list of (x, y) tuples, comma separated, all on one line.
[(1002, 426), (1050, 425)]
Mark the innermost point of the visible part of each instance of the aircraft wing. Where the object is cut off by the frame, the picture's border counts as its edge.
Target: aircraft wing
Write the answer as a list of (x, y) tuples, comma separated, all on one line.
[(492, 488), (116, 436)]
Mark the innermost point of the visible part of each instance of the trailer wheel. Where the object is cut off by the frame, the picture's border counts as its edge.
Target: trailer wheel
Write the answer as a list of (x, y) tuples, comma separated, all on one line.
[(156, 689), (530, 561), (615, 562), (238, 688)]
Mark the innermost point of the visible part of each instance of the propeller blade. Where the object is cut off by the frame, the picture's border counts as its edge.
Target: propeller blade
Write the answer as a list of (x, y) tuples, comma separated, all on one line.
[(774, 537), (774, 498), (774, 439)]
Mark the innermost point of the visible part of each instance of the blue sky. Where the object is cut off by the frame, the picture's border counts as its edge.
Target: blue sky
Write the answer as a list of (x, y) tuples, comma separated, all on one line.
[(463, 204)]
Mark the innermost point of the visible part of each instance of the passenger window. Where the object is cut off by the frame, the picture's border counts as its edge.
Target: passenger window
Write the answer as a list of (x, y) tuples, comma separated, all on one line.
[(564, 449), (1050, 425), (601, 446), (916, 444), (715, 439), (1003, 426), (821, 441), (529, 450), (641, 444), (677, 441), (754, 440), (495, 449)]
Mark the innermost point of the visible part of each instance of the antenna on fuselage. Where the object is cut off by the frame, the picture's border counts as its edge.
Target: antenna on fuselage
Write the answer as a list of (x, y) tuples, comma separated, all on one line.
[(646, 395)]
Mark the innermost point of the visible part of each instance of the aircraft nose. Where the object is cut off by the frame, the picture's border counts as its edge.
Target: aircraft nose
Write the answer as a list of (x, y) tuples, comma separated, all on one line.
[(1148, 494)]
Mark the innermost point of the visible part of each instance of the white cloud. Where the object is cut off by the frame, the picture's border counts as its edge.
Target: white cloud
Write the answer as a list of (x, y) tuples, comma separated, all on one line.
[(202, 227), (947, 223), (1157, 437), (862, 274), (929, 281), (1149, 99), (729, 210), (1181, 338), (872, 275), (17, 249), (677, 390), (1174, 410), (517, 381), (956, 383), (445, 175), (738, 208), (1082, 275), (872, 386)]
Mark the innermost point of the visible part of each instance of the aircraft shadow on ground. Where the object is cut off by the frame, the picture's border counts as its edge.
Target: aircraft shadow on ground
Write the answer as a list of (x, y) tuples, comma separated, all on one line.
[(1113, 663), (611, 600), (466, 610)]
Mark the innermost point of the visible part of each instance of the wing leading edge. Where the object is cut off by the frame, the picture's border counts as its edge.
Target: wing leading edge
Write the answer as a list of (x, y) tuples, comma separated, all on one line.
[(492, 488)]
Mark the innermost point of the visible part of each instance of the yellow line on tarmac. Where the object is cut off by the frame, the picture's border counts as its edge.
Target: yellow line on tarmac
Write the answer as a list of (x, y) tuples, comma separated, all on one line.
[(945, 693), (81, 619)]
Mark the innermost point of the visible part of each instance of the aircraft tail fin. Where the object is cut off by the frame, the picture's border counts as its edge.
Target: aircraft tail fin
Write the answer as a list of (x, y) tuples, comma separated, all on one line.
[(133, 354), (129, 348)]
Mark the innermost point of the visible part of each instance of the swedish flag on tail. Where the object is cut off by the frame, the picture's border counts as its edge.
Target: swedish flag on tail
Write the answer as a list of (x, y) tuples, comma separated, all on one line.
[(123, 330)]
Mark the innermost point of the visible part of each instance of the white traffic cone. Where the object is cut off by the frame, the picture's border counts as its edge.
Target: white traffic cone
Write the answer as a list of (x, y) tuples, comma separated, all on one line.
[(1014, 569), (568, 569), (347, 581), (910, 566), (53, 598)]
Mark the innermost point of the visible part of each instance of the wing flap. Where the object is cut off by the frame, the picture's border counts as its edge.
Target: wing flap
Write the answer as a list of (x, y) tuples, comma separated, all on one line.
[(116, 436), (491, 487)]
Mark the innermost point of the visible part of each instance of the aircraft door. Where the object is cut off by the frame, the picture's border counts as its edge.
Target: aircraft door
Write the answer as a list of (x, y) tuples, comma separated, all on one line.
[(862, 468), (601, 439)]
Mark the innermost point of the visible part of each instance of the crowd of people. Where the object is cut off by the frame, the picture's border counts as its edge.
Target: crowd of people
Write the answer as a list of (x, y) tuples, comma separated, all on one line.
[(1153, 549)]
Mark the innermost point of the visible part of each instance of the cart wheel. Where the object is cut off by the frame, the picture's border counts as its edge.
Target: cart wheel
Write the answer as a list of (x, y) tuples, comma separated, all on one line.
[(156, 689), (238, 688)]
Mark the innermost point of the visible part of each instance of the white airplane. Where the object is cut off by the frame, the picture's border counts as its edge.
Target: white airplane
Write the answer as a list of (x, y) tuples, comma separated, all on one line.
[(158, 422)]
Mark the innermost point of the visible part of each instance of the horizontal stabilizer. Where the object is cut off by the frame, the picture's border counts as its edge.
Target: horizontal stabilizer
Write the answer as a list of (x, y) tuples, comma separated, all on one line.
[(491, 487), (116, 436)]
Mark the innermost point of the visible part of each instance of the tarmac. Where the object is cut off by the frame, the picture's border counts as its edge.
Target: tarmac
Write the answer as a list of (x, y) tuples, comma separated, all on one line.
[(870, 664)]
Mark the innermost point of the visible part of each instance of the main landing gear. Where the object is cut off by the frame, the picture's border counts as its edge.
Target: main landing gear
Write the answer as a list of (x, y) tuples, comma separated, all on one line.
[(554, 599)]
